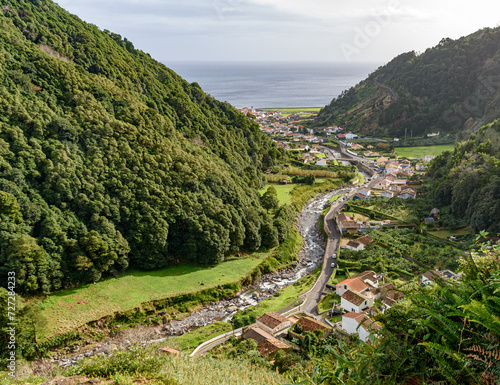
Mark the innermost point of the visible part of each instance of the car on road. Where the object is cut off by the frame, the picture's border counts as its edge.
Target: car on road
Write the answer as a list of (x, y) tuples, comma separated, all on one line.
[(332, 265), (334, 255)]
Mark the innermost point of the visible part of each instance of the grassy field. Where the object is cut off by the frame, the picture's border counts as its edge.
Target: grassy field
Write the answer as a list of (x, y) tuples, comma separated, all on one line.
[(286, 297), (420, 152), (336, 278), (327, 302), (68, 309), (283, 191), (448, 233)]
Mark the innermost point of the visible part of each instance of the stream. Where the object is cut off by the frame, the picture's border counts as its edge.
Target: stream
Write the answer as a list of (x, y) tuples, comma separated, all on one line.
[(310, 257)]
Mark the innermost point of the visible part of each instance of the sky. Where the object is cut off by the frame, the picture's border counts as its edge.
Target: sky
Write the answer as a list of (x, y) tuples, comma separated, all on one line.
[(286, 30)]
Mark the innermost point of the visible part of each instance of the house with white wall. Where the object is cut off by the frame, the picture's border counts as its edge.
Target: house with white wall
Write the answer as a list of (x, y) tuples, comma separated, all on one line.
[(359, 323)]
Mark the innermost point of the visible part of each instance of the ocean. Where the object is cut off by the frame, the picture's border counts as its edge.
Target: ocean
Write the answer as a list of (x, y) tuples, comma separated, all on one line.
[(273, 84)]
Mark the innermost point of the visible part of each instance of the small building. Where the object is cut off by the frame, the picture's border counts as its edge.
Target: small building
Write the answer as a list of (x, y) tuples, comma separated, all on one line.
[(270, 346), (408, 193), (309, 324), (355, 246), (355, 302), (352, 284), (420, 167), (429, 221), (348, 226), (257, 334), (382, 185), (365, 240), (321, 162), (381, 161), (430, 277), (435, 211), (358, 196), (273, 322), (428, 158), (359, 323), (387, 194)]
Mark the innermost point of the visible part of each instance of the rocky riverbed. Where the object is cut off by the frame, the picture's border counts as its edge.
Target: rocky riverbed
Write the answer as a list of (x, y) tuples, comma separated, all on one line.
[(310, 257)]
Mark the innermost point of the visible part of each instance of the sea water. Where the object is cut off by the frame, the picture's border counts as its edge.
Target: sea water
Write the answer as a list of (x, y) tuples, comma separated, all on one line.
[(274, 84)]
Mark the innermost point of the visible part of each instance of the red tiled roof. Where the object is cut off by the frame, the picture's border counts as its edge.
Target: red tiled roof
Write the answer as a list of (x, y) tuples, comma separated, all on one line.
[(369, 274), (257, 334), (309, 324), (364, 320), (349, 225), (353, 244), (355, 284), (272, 319), (365, 240), (353, 297), (432, 275), (271, 346)]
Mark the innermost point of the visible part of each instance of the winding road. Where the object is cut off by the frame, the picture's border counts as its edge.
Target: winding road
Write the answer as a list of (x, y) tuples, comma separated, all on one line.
[(387, 88), (310, 299)]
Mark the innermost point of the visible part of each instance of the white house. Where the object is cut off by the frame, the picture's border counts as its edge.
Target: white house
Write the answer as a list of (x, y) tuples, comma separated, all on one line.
[(355, 246), (350, 136), (420, 167), (273, 323), (359, 323), (353, 284), (407, 193), (321, 162), (355, 302), (382, 185), (387, 194), (428, 158)]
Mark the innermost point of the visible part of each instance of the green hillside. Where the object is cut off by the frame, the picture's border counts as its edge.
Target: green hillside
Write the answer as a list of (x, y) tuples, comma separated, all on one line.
[(447, 88), (110, 159), (466, 182)]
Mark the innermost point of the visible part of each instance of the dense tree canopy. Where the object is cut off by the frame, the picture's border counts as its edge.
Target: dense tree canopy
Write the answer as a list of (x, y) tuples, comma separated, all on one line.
[(441, 89), (466, 182), (108, 158)]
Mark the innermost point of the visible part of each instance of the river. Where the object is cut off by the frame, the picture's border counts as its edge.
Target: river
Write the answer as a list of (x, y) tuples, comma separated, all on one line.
[(310, 257)]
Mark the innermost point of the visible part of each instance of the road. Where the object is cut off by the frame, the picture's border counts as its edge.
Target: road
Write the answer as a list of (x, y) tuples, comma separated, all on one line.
[(311, 298), (387, 88)]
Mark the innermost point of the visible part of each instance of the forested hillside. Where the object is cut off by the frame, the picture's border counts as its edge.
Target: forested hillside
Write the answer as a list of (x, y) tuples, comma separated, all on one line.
[(447, 89), (466, 182), (108, 158)]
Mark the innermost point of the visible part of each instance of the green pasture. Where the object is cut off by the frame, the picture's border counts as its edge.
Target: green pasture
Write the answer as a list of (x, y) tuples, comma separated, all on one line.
[(68, 309), (420, 152)]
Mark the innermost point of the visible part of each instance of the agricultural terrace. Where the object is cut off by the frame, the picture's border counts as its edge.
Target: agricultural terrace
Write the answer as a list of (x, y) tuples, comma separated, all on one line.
[(420, 152)]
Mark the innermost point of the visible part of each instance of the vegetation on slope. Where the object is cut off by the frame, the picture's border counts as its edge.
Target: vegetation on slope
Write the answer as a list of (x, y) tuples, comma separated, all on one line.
[(443, 333), (446, 88), (109, 159), (466, 182)]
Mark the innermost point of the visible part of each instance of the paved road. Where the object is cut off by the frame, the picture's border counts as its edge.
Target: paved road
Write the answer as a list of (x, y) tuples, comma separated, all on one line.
[(478, 124), (387, 88), (313, 296)]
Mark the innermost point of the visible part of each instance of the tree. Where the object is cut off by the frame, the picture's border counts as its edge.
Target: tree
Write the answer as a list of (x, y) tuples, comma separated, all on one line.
[(269, 200)]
